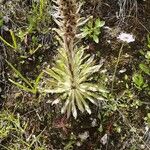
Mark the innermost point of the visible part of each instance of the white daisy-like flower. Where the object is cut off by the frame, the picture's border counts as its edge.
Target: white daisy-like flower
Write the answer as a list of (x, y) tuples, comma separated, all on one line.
[(125, 37)]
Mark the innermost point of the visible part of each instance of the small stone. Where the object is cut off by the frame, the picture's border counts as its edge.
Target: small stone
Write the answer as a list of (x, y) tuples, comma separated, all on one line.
[(146, 128), (122, 70), (142, 146), (78, 144), (94, 123), (108, 41), (104, 139), (84, 136)]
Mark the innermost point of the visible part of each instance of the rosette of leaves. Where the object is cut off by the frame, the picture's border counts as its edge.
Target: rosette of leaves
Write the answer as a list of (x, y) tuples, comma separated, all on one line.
[(75, 92)]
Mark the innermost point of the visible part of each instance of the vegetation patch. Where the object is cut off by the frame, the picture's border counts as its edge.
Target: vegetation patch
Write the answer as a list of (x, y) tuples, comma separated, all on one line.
[(74, 75)]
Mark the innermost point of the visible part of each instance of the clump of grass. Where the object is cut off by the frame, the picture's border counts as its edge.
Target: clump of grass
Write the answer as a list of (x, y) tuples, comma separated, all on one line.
[(14, 135)]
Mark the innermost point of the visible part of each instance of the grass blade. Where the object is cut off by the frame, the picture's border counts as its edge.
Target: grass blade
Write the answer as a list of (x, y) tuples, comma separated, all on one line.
[(19, 74)]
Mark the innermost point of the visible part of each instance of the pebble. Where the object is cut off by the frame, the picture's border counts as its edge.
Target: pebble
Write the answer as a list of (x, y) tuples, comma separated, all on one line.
[(104, 139), (84, 136), (94, 123)]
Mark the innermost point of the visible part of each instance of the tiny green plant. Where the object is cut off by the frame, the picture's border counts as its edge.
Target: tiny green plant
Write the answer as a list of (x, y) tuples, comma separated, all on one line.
[(138, 81), (145, 65), (15, 45), (93, 29), (147, 119), (140, 78), (36, 17), (8, 123), (11, 126), (30, 86), (5, 126), (145, 68)]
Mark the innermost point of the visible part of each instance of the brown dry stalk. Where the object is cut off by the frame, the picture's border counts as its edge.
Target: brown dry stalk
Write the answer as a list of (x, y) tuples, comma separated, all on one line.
[(68, 26)]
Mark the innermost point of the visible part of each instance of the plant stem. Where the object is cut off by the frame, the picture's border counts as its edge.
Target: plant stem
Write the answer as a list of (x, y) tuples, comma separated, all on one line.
[(114, 74)]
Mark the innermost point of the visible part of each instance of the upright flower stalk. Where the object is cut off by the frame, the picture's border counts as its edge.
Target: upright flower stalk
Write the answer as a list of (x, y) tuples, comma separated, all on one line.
[(67, 18), (125, 38)]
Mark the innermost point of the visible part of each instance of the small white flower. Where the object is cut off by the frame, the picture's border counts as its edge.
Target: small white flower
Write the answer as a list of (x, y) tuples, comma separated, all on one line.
[(125, 37)]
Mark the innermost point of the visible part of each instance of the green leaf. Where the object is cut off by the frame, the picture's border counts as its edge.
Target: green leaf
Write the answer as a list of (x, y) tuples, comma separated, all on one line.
[(53, 74), (97, 31), (82, 99), (96, 39), (19, 74), (99, 23), (79, 101), (13, 39), (74, 110), (1, 22), (23, 87), (147, 56), (88, 96), (148, 41), (87, 108), (38, 79), (6, 43), (138, 80), (69, 110), (118, 129), (148, 115), (86, 31), (90, 24), (145, 68), (57, 90), (65, 106)]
